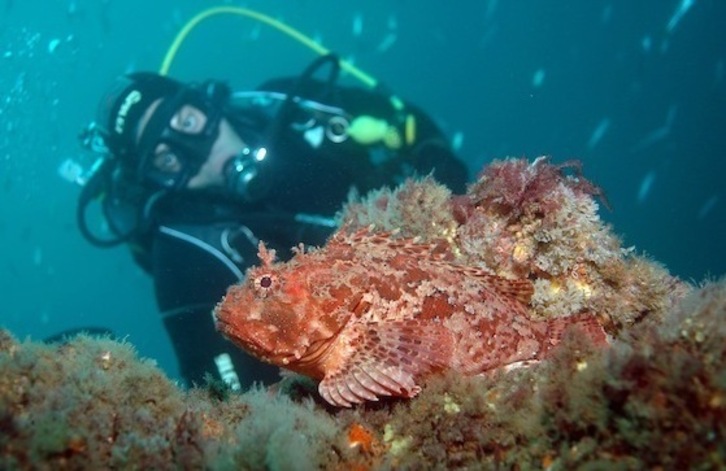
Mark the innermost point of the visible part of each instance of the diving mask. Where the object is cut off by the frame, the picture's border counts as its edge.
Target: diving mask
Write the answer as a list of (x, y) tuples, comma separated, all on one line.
[(190, 149)]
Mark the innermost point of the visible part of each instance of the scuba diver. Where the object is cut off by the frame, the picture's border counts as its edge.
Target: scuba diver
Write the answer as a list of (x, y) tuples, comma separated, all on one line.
[(192, 176)]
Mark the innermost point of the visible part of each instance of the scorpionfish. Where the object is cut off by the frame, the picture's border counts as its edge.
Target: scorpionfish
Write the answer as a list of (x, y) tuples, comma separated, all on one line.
[(371, 316)]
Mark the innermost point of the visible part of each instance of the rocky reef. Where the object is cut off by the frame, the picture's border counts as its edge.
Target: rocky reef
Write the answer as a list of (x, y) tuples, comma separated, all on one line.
[(531, 220), (654, 398)]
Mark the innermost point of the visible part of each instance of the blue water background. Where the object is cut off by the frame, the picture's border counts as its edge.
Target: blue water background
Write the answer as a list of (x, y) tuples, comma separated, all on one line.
[(634, 91)]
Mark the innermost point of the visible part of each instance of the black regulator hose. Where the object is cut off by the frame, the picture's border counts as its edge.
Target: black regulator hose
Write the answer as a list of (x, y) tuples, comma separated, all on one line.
[(283, 113), (98, 184)]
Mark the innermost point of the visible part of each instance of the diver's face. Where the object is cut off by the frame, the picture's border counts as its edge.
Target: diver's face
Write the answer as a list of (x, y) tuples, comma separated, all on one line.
[(191, 120)]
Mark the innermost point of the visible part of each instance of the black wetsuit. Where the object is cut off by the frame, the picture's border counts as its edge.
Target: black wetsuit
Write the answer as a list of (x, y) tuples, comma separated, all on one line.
[(202, 242)]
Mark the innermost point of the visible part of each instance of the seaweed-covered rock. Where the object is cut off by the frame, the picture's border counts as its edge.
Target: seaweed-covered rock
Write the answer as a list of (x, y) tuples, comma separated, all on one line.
[(531, 220), (655, 398), (91, 403)]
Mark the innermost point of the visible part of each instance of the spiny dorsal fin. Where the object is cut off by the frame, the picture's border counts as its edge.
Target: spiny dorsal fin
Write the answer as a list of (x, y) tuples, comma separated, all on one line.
[(266, 256)]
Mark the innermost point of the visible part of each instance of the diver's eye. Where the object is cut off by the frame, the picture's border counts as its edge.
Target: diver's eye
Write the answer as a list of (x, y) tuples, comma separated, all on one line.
[(189, 123), (189, 120), (264, 284), (166, 161)]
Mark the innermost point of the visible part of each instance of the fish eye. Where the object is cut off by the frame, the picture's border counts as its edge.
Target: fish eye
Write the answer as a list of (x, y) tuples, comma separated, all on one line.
[(264, 283)]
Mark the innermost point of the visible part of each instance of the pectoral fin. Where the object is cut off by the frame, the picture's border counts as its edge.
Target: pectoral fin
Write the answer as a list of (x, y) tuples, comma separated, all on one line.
[(385, 359)]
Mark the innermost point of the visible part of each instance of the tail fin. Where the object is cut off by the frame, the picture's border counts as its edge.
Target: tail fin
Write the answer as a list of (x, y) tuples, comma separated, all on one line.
[(586, 324)]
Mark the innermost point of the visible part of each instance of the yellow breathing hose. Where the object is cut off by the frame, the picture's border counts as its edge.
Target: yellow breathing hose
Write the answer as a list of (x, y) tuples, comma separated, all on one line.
[(262, 18), (410, 123)]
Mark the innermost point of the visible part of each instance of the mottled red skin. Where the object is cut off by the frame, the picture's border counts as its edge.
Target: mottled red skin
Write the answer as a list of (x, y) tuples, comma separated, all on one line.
[(371, 316)]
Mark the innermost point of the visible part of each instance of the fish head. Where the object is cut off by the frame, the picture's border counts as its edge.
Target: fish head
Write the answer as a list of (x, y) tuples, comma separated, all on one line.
[(283, 314)]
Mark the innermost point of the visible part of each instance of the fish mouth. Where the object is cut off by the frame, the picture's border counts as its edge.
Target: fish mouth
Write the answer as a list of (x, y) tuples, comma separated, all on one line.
[(228, 330), (222, 322), (255, 341), (221, 325), (232, 331)]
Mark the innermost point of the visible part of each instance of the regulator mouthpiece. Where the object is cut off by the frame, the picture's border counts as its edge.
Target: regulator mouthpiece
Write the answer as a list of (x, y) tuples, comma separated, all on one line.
[(244, 174)]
